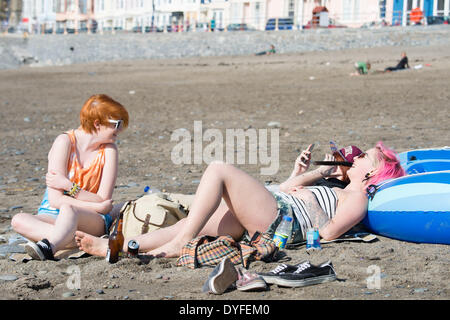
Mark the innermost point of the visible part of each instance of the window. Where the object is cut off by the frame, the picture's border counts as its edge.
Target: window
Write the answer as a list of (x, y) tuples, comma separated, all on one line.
[(347, 10), (291, 9)]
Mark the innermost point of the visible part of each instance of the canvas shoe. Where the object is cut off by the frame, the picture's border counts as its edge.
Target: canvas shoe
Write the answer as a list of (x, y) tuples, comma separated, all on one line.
[(271, 276), (40, 250), (221, 278), (249, 281), (307, 274)]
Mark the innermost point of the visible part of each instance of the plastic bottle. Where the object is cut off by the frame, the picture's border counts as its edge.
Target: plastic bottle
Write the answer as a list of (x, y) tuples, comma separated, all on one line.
[(283, 232), (148, 190), (313, 239)]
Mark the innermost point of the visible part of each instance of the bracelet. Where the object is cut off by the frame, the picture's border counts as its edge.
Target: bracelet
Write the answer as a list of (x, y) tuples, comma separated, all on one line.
[(74, 190)]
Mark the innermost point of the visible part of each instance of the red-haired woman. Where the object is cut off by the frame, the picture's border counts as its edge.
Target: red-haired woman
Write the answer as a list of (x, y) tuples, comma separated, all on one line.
[(82, 171), (230, 202)]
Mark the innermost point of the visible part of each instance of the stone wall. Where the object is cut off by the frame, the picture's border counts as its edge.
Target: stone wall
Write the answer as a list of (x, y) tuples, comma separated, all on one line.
[(50, 50)]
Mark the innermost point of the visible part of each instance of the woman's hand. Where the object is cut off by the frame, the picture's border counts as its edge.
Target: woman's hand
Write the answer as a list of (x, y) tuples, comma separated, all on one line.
[(302, 162), (327, 171), (104, 206), (56, 180)]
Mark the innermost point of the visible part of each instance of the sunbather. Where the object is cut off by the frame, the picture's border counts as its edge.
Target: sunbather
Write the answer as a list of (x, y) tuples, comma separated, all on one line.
[(330, 176), (401, 65), (249, 207), (82, 171)]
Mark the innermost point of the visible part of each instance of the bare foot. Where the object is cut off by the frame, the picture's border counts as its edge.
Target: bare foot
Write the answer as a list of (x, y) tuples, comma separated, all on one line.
[(171, 249), (91, 244)]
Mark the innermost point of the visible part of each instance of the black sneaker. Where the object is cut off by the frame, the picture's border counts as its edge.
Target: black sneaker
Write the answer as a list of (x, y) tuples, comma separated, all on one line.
[(271, 276), (307, 274), (41, 250)]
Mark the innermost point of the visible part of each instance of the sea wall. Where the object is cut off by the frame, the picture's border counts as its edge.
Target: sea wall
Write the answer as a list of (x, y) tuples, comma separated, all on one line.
[(50, 50)]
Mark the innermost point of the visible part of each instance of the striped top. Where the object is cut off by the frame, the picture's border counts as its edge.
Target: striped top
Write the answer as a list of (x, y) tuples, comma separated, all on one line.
[(326, 198)]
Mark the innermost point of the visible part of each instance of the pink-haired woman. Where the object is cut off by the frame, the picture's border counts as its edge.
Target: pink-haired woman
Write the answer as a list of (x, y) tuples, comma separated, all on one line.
[(249, 207)]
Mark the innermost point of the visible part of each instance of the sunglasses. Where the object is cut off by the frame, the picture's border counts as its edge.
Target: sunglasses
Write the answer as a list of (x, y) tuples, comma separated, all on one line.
[(118, 124)]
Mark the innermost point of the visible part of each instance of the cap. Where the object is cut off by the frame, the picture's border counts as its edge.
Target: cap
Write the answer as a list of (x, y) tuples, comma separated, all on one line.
[(348, 153)]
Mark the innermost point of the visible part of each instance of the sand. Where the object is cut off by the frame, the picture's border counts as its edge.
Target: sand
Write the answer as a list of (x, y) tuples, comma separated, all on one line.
[(313, 99)]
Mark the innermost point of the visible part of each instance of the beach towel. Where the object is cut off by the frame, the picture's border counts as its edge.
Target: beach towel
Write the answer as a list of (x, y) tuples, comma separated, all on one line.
[(210, 251)]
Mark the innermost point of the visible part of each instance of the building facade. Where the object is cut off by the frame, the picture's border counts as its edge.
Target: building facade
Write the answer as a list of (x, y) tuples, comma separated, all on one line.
[(72, 16)]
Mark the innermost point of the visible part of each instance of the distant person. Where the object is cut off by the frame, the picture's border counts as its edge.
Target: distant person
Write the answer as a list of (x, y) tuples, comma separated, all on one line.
[(268, 52), (362, 68), (402, 65)]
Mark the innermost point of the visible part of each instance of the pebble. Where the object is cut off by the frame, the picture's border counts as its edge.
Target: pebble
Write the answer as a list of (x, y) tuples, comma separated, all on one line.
[(100, 291), (68, 294), (274, 124), (420, 290), (8, 277), (4, 249)]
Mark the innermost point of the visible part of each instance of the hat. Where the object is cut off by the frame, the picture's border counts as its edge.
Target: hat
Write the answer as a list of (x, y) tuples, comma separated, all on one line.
[(348, 153)]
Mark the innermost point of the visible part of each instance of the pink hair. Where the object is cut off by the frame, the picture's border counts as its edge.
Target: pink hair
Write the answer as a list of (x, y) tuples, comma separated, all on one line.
[(388, 165)]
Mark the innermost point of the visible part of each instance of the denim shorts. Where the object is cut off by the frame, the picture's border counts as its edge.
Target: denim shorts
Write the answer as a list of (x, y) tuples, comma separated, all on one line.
[(284, 209), (46, 209)]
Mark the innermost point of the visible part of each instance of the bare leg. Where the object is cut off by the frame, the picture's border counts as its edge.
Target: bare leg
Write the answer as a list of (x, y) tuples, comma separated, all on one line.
[(59, 232), (98, 246), (253, 207)]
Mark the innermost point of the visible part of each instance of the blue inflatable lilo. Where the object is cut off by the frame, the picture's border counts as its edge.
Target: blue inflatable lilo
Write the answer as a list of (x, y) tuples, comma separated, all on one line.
[(413, 208), (425, 160)]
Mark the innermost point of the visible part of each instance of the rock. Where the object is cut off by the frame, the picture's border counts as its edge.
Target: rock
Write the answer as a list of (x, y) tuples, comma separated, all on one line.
[(100, 291), (34, 283), (274, 124), (68, 294), (8, 277), (5, 249), (420, 290)]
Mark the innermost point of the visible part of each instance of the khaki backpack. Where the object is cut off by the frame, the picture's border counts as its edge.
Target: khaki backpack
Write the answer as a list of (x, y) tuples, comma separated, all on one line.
[(154, 211)]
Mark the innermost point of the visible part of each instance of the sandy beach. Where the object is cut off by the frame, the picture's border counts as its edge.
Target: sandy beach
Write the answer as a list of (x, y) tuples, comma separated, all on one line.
[(309, 96)]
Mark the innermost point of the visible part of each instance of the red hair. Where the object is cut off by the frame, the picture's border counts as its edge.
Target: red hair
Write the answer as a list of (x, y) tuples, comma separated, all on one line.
[(388, 165), (101, 107)]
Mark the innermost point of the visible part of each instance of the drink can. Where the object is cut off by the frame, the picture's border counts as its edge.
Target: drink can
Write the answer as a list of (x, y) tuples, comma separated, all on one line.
[(133, 248)]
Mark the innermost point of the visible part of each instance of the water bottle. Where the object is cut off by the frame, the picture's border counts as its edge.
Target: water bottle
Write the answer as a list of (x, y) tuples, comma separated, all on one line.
[(283, 232), (148, 190), (313, 239)]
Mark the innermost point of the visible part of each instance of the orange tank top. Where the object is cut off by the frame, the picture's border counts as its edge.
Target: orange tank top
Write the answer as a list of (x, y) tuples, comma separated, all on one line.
[(87, 178)]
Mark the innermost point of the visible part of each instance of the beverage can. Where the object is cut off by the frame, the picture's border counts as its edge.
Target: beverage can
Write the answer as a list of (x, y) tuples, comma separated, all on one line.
[(133, 248)]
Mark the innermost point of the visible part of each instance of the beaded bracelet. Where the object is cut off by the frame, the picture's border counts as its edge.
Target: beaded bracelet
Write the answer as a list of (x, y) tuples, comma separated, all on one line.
[(74, 191)]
